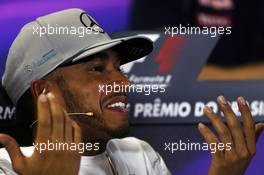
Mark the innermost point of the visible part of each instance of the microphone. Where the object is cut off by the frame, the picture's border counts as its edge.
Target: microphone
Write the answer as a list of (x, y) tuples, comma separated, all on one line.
[(90, 114), (80, 113)]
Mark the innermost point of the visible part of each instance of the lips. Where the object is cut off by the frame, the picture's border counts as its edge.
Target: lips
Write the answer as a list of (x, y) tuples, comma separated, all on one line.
[(118, 103)]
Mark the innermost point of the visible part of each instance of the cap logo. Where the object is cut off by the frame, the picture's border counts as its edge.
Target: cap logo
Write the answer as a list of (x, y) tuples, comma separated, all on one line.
[(28, 68), (46, 57), (89, 22)]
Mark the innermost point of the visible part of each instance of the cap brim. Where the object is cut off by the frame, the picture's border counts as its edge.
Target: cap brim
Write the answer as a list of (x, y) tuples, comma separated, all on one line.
[(129, 48)]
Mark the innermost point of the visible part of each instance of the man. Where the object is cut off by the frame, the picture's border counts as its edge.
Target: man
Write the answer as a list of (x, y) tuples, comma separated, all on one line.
[(59, 75)]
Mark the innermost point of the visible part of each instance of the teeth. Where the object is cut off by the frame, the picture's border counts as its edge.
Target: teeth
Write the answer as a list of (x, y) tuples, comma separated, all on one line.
[(118, 104)]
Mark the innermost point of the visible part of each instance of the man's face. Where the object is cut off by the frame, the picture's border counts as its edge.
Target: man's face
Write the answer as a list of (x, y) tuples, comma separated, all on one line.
[(82, 94)]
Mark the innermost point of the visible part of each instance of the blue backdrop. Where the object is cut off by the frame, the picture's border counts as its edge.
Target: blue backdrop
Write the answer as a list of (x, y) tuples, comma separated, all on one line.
[(116, 16)]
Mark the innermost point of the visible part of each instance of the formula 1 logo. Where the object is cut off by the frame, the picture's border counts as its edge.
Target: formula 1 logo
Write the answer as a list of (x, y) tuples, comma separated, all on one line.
[(169, 52), (167, 56)]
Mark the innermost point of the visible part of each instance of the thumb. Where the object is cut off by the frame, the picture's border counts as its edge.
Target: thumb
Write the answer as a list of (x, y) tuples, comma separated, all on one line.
[(259, 127), (12, 148)]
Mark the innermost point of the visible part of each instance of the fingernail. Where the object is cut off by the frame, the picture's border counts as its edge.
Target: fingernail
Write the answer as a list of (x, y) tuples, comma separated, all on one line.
[(242, 100), (208, 109), (201, 125), (50, 95), (222, 100), (44, 91), (43, 98)]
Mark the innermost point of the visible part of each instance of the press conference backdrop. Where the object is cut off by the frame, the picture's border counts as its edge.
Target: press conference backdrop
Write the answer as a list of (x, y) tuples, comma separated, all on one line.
[(175, 64)]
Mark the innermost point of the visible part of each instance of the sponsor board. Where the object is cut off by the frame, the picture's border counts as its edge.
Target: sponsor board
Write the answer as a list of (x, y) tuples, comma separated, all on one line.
[(175, 63), (7, 110)]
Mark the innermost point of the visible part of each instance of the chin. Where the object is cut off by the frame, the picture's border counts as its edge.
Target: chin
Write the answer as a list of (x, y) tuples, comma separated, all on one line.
[(115, 120), (119, 131)]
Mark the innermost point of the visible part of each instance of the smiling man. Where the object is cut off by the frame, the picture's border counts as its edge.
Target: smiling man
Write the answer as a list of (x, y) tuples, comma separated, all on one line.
[(53, 76)]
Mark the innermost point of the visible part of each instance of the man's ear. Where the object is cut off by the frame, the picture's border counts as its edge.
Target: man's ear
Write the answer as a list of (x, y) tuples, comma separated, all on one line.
[(39, 86)]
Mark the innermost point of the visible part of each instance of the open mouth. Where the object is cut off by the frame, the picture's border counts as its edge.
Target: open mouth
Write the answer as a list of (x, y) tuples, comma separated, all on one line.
[(118, 104)]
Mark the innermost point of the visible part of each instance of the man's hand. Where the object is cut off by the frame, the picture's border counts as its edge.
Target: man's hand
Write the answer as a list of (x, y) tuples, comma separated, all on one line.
[(53, 125), (243, 139)]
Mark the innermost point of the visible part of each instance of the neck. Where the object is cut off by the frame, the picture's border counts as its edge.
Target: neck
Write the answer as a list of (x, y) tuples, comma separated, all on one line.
[(94, 143), (94, 148)]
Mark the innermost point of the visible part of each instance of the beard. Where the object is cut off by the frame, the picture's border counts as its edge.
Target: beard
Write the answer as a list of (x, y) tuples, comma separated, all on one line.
[(93, 127)]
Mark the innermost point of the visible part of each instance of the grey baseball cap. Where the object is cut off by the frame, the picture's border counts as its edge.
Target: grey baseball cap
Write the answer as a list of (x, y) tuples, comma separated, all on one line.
[(52, 40)]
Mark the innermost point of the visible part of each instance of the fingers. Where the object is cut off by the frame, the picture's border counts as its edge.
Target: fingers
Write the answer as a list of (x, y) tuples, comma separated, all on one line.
[(259, 128), (44, 119), (222, 131), (233, 125), (68, 129), (53, 121), (209, 137), (77, 132), (248, 125), (13, 149), (58, 120), (243, 139)]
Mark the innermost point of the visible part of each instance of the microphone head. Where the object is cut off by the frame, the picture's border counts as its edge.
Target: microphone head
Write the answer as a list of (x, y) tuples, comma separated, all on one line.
[(90, 113), (82, 113)]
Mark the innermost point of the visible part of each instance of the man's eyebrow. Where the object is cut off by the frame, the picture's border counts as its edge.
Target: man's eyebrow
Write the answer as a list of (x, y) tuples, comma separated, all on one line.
[(102, 54)]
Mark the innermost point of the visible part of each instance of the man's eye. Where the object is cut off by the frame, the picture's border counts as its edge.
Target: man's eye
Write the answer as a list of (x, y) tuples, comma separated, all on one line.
[(98, 68)]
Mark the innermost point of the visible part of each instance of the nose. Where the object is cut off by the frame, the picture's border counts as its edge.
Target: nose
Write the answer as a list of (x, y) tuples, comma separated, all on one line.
[(120, 80), (124, 79)]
